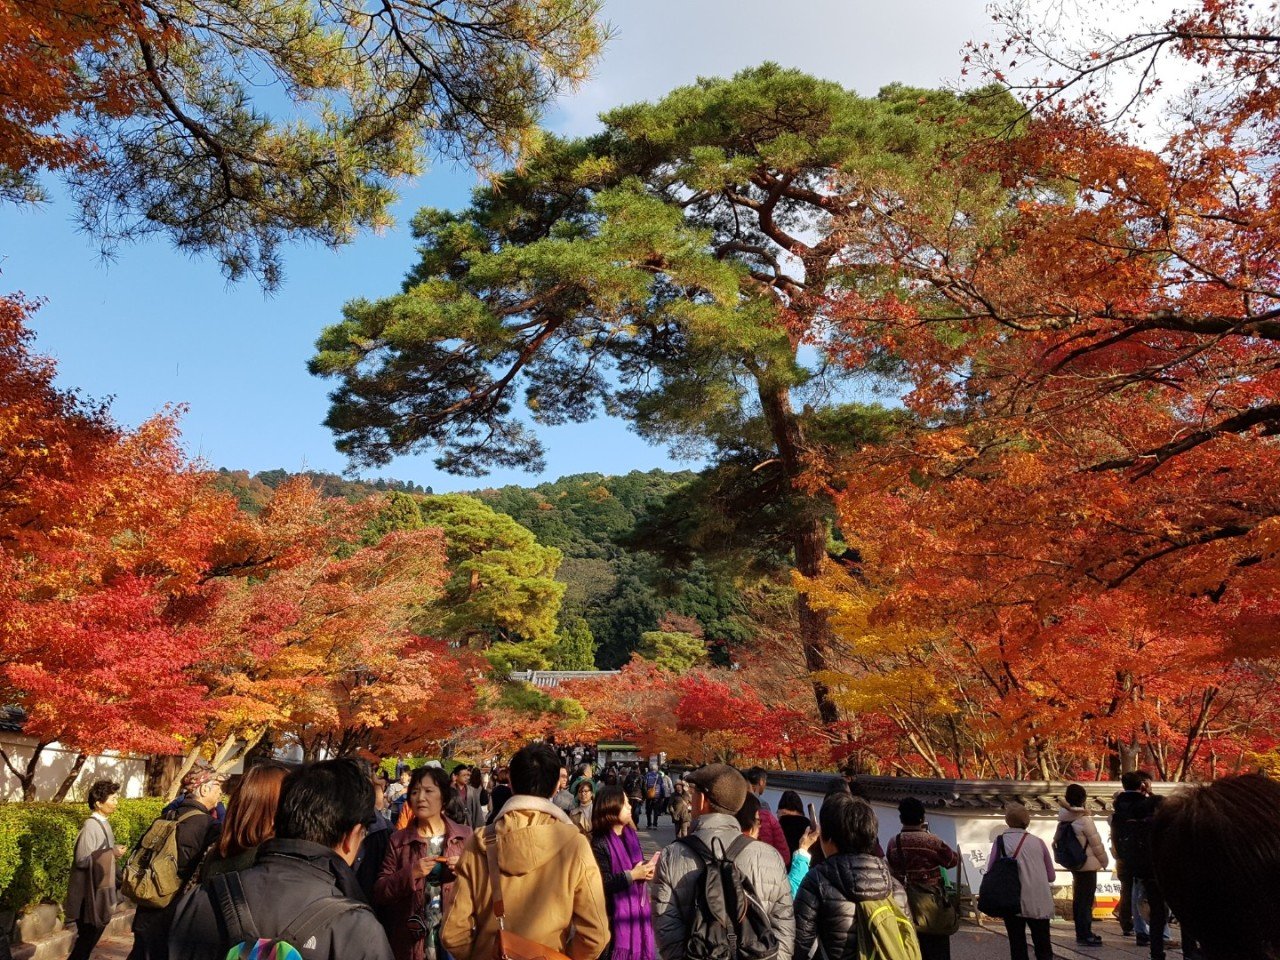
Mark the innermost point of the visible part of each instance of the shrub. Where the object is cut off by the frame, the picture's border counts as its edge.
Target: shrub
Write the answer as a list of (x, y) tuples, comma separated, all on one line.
[(38, 842), (388, 766)]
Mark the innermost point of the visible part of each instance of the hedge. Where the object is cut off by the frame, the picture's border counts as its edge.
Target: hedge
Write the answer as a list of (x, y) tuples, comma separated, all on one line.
[(38, 841), (388, 766)]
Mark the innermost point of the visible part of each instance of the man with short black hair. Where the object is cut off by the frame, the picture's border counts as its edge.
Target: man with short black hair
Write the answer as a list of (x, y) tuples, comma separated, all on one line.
[(468, 798), (549, 885), (718, 793), (302, 889)]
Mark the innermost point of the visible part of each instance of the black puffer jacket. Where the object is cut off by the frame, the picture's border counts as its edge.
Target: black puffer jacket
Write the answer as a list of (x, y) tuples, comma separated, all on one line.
[(826, 904)]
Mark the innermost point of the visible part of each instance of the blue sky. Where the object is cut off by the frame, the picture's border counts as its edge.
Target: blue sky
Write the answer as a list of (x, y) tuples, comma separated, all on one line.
[(153, 327)]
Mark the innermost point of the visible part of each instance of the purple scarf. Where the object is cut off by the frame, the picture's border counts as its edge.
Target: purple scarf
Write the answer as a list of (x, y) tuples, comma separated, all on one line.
[(631, 923)]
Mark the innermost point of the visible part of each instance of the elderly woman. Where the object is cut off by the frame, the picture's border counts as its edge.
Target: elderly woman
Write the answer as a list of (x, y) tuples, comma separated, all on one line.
[(91, 894), (1036, 875), (584, 794), (415, 886)]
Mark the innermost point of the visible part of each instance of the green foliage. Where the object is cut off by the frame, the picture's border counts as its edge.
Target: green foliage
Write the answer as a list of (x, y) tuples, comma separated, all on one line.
[(677, 652), (575, 647), (388, 764), (501, 594), (37, 845)]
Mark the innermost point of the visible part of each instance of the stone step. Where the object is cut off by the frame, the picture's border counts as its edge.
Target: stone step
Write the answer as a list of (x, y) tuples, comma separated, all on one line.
[(56, 944)]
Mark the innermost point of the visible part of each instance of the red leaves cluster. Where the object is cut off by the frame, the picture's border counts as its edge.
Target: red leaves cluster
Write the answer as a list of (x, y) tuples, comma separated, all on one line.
[(1084, 523), (140, 610)]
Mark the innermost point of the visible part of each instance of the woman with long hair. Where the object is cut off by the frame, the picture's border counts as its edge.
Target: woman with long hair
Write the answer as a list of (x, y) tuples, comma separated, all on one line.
[(625, 872), (415, 885), (251, 821)]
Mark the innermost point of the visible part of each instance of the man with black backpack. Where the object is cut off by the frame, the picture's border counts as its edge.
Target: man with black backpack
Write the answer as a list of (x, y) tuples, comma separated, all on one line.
[(302, 891), (719, 895), (1131, 819)]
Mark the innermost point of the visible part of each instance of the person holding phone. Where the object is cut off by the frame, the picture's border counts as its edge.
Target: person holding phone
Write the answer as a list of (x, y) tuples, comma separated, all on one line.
[(626, 873), (415, 886)]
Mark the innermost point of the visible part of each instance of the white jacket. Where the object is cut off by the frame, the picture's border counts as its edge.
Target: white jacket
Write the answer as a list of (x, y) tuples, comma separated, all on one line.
[(1090, 839)]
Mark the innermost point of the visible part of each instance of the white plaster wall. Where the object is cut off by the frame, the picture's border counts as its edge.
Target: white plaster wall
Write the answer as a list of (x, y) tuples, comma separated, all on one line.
[(56, 762), (973, 832)]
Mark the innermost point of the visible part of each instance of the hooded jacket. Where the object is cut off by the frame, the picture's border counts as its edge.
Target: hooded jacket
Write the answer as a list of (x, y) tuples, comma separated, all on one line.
[(1090, 839), (289, 876), (827, 904), (550, 885), (676, 883)]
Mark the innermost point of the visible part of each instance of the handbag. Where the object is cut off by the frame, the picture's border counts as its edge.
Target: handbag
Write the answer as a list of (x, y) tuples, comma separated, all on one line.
[(510, 945), (935, 911)]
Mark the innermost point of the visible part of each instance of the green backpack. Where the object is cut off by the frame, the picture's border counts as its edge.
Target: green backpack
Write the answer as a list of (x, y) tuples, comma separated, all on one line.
[(150, 875), (885, 932)]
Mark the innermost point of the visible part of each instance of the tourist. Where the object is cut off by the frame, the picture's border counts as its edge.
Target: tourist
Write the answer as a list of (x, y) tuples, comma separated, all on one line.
[(748, 817), (770, 829), (916, 857), (1131, 822), (195, 832), (581, 812), (625, 872), (633, 784), (251, 820), (681, 813), (319, 825), (91, 890), (397, 793), (802, 859), (501, 792), (1084, 880), (373, 848), (1036, 873), (793, 819), (551, 890), (415, 885), (468, 797), (1124, 840), (563, 798), (827, 902), (655, 794), (1217, 860), (718, 793)]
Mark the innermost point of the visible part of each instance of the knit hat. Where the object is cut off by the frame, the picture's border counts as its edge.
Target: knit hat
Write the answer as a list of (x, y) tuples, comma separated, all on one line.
[(1016, 815), (200, 774), (723, 786)]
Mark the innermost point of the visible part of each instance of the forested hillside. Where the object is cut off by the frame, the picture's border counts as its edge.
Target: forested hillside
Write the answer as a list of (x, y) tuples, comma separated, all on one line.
[(624, 595)]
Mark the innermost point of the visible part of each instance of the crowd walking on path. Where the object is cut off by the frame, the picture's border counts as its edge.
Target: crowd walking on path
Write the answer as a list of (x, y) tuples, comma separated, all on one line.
[(331, 861)]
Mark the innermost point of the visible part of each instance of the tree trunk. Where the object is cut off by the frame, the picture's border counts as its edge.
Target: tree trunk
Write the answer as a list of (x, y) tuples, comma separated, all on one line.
[(71, 778), (808, 539), (27, 775)]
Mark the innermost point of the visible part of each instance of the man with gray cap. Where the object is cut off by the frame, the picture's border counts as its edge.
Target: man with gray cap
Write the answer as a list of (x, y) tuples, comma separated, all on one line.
[(717, 794)]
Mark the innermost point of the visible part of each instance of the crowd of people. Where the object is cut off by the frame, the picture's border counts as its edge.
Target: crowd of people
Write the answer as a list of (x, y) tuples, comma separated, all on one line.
[(331, 860)]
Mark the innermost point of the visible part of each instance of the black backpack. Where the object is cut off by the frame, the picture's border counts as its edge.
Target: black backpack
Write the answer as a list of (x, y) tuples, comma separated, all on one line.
[(1000, 893), (298, 939), (729, 922), (1131, 836), (1068, 852)]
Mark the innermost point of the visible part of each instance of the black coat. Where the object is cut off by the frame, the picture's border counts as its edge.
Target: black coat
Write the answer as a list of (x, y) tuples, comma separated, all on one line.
[(1131, 817), (289, 876), (826, 904)]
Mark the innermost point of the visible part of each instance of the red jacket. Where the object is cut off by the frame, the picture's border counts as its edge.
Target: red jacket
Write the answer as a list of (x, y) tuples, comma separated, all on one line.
[(771, 833), (398, 894)]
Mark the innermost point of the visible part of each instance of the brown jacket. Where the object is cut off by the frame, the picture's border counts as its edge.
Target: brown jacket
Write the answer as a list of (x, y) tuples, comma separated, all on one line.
[(550, 883), (398, 893), (91, 891)]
